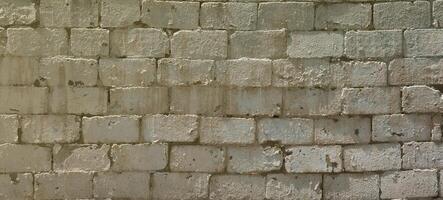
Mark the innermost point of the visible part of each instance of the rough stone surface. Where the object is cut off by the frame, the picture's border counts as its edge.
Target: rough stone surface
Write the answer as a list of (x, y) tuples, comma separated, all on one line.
[(421, 99), (17, 12), (216, 130), (291, 15), (24, 158), (71, 13), (25, 100), (371, 100), (45, 41), (170, 128), (63, 185), (399, 184), (197, 100), (194, 158), (254, 159), (139, 42), (373, 44), (137, 100), (139, 157), (180, 186), (16, 186), (78, 100), (373, 157), (111, 129), (342, 130), (226, 187), (343, 16), (423, 42), (311, 159), (254, 101), (178, 72), (89, 42), (200, 44), (229, 16), (244, 72), (129, 185), (419, 71), (315, 44), (81, 157), (351, 186), (398, 15), (401, 127), (18, 70), (422, 155), (293, 187), (127, 72), (9, 128), (305, 102), (286, 131), (267, 44), (164, 14), (116, 13), (50, 129), (64, 71)]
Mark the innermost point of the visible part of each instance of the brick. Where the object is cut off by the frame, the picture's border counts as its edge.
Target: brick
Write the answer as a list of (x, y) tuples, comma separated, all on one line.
[(351, 186), (174, 72), (291, 15), (110, 129), (170, 128), (24, 158), (199, 44), (253, 101), (170, 14), (45, 42), (139, 157), (116, 13), (194, 158), (315, 44), (139, 42), (421, 99), (16, 186), (127, 72), (229, 16), (66, 71), (409, 184), (316, 102), (50, 128), (24, 100), (244, 72), (423, 42), (342, 130), (362, 74), (139, 100), (437, 12), (81, 158), (130, 185), (343, 16), (371, 100), (16, 71), (286, 131), (267, 44), (9, 129), (401, 127), (3, 41), (63, 185), (415, 71), (305, 159), (373, 44), (197, 100), (71, 13), (236, 187), (291, 186), (17, 12), (303, 73), (217, 130), (185, 186), (422, 155), (254, 159), (89, 42), (400, 15), (90, 100), (374, 157)]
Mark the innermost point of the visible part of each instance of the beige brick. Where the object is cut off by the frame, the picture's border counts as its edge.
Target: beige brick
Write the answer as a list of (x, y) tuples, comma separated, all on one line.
[(197, 100), (362, 74), (25, 100), (415, 71), (317, 102), (18, 70), (437, 13), (194, 158), (342, 130), (16, 186), (9, 128), (71, 13), (3, 41), (374, 157), (258, 44), (170, 128), (69, 185), (371, 100), (139, 157), (303, 73), (236, 187), (90, 100), (286, 131), (254, 159), (291, 15), (199, 44), (170, 14), (81, 158), (66, 71), (421, 99), (139, 42), (343, 16), (305, 159), (409, 184), (50, 128), (116, 13), (351, 186), (254, 101), (398, 15), (111, 129), (37, 42), (17, 12), (174, 72), (139, 100), (217, 130), (401, 127), (89, 42), (315, 44), (180, 186), (229, 16), (127, 72), (293, 187), (422, 155), (244, 72), (129, 185), (423, 42), (373, 44), (24, 158)]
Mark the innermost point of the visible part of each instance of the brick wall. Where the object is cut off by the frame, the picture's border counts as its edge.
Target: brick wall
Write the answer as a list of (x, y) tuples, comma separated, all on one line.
[(209, 99)]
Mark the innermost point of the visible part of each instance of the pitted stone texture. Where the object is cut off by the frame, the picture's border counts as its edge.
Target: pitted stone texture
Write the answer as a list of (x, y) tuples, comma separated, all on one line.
[(9, 126), (419, 71), (286, 131), (70, 13), (81, 157), (437, 11), (177, 72), (398, 15), (17, 12), (259, 44), (423, 42), (203, 100), (24, 100), (244, 72), (343, 16), (302, 73), (37, 42), (127, 72), (291, 15), (306, 159), (351, 186), (67, 71), (254, 101), (50, 128), (401, 127), (373, 157), (293, 187), (16, 186), (24, 158), (67, 185), (217, 130), (170, 128), (89, 42), (139, 42), (72, 100), (116, 13), (375, 100), (361, 74), (315, 44), (254, 159), (170, 14), (237, 187), (129, 185), (398, 184), (110, 129), (342, 130), (231, 15), (16, 71), (200, 44), (139, 157), (194, 158), (3, 41), (373, 44), (422, 155), (316, 102), (180, 186), (138, 100), (421, 99)]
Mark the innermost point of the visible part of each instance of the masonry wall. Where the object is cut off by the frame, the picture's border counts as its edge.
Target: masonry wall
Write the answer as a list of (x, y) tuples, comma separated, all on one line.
[(238, 100)]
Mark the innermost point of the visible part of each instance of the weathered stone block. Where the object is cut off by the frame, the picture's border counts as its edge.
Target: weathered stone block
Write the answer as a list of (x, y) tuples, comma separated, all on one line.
[(197, 100), (423, 42), (89, 42), (254, 101), (116, 13), (409, 184), (314, 159), (342, 130), (37, 42), (315, 44), (24, 158), (421, 99), (194, 158), (129, 185), (244, 72), (127, 72), (374, 157), (110, 129), (258, 44), (229, 187), (319, 102), (217, 130), (293, 187), (371, 100), (286, 131), (170, 128), (16, 186), (351, 186), (170, 14), (81, 158), (138, 100), (254, 159), (401, 127), (18, 12), (66, 71), (289, 15), (343, 16), (24, 100), (139, 42), (183, 186), (174, 72), (9, 126), (139, 157), (373, 44), (398, 15), (87, 100), (66, 185), (200, 44), (232, 15), (422, 155), (50, 128), (16, 71), (71, 13), (415, 71)]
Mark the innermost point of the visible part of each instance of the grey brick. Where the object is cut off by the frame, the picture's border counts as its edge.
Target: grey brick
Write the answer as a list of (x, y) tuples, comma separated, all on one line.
[(50, 128), (177, 72), (109, 129), (69, 185), (237, 187), (316, 102), (138, 100), (16, 71), (286, 131), (217, 130), (9, 126), (71, 13), (128, 72), (254, 159), (129, 185), (66, 71), (180, 186), (351, 186), (244, 72), (401, 127), (293, 187), (254, 101), (81, 158), (24, 158), (371, 100), (170, 128), (398, 15), (421, 99), (139, 42), (16, 186), (315, 159), (315, 44), (18, 12), (45, 42), (258, 44), (291, 15), (422, 155), (116, 13), (229, 16), (409, 184), (342, 130), (423, 42), (194, 158), (139, 157), (374, 157), (197, 100), (415, 71), (200, 44), (170, 14), (373, 44), (343, 16)]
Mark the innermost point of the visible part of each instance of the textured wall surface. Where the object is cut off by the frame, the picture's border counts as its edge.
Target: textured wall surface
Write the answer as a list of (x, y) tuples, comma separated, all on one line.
[(238, 100)]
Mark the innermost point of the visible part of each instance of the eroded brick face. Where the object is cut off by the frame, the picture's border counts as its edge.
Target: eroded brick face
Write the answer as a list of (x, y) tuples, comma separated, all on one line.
[(221, 99)]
